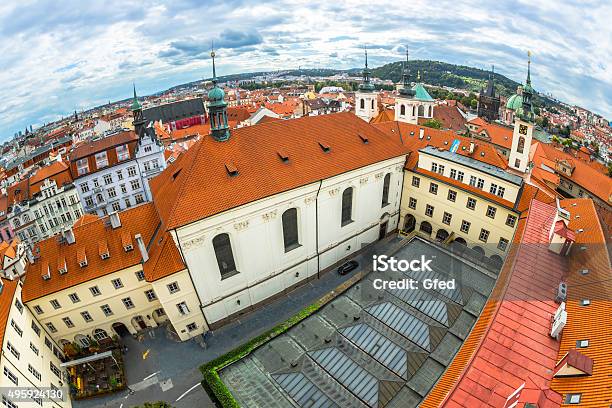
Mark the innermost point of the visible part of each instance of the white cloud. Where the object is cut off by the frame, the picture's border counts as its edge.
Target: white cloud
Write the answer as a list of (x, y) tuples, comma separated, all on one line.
[(57, 58)]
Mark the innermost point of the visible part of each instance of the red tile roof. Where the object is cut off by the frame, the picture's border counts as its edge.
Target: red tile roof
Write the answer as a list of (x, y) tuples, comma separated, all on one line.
[(6, 302), (58, 171), (497, 134), (88, 238), (197, 185), (512, 344)]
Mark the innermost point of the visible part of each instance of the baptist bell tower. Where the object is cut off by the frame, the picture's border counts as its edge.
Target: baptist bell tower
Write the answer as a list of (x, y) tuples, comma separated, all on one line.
[(523, 126), (366, 100)]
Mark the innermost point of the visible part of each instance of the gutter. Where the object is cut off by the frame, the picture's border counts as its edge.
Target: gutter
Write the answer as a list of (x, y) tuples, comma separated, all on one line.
[(317, 229)]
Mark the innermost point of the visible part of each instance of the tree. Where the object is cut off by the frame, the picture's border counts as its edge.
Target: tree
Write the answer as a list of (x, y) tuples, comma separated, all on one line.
[(433, 123), (473, 103), (610, 169)]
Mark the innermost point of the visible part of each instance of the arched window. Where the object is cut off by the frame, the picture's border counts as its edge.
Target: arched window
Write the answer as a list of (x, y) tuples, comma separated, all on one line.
[(224, 254), (413, 110), (521, 144), (421, 111), (99, 334), (385, 193), (362, 103), (430, 111), (372, 103), (403, 110), (347, 206), (290, 229)]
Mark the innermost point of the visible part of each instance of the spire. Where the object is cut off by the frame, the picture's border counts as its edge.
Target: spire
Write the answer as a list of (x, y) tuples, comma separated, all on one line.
[(366, 86), (135, 104), (212, 55), (139, 120), (528, 82), (406, 89)]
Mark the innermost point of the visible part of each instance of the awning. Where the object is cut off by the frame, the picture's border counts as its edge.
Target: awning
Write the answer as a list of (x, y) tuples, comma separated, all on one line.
[(88, 359)]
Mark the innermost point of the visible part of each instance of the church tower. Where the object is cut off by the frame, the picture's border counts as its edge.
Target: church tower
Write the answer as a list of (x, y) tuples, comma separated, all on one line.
[(139, 120), (488, 102), (523, 126), (405, 107), (366, 100), (217, 108)]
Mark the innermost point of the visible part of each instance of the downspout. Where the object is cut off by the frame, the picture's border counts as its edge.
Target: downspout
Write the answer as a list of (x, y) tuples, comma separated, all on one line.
[(317, 228)]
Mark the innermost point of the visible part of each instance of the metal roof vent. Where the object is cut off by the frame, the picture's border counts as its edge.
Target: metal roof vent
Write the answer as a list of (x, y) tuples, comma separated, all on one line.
[(231, 169), (325, 147)]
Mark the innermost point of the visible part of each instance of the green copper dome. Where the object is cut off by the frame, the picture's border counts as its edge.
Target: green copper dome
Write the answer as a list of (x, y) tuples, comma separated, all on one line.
[(514, 102), (216, 96)]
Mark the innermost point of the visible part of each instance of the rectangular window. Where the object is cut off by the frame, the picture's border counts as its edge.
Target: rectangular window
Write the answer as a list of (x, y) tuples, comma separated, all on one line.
[(17, 328), (150, 295), (101, 160), (55, 370), (192, 327), (89, 201), (440, 169), (511, 220), (8, 374), (48, 343), (86, 316), (68, 322), (116, 206), (582, 343), (573, 398), (38, 309), (7, 402), (139, 198), (484, 235), (471, 203), (35, 328), (95, 291), (182, 308), (503, 244), (108, 179), (173, 287), (446, 218), (55, 304), (460, 176), (493, 188), (123, 189), (51, 327), (119, 175), (473, 181), (19, 306), (465, 226), (123, 153), (434, 167), (74, 297), (128, 204), (127, 302), (96, 184), (501, 191), (480, 183), (491, 211), (33, 348), (453, 173), (429, 210), (140, 275), (117, 283), (416, 182), (112, 193), (131, 171), (34, 372), (107, 310), (412, 202), (452, 195), (13, 350), (135, 184), (82, 166), (433, 188)]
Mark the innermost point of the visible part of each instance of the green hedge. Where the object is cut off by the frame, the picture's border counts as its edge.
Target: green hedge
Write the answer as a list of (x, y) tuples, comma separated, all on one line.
[(212, 382)]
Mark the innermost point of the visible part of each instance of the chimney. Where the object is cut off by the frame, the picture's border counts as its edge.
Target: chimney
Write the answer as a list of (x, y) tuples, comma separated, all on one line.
[(69, 235), (421, 133), (115, 220), (142, 248), (472, 147)]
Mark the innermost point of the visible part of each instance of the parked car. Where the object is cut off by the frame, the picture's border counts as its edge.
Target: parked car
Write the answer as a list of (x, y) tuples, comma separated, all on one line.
[(347, 267)]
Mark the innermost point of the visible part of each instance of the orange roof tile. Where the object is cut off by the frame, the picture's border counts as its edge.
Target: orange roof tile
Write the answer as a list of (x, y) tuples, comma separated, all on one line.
[(181, 197), (6, 302), (58, 171), (164, 260), (141, 219), (498, 134), (592, 322), (442, 139)]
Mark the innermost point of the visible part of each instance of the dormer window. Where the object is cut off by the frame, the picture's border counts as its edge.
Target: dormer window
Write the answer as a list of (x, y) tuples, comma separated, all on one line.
[(231, 169), (573, 398), (103, 250), (582, 343), (83, 264), (283, 155), (105, 255)]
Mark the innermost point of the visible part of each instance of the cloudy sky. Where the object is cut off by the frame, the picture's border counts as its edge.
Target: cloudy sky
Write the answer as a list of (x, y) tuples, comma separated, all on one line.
[(56, 57)]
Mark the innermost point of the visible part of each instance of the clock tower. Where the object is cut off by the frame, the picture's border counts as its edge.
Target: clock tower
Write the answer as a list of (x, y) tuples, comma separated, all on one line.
[(366, 100), (523, 127)]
